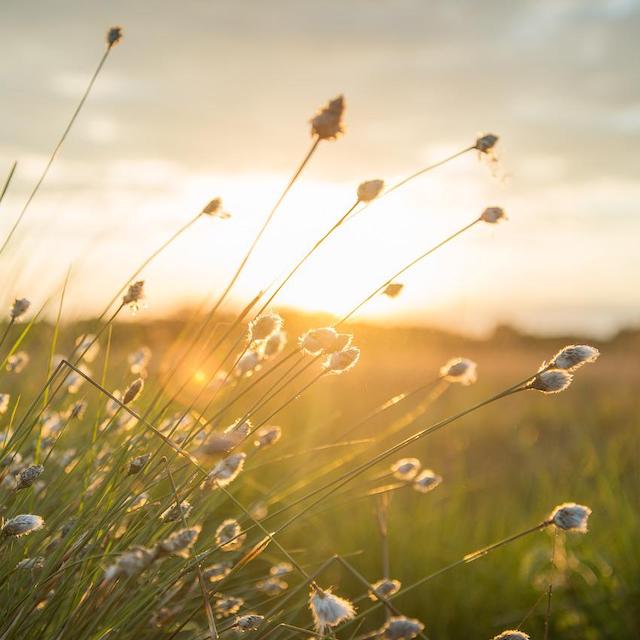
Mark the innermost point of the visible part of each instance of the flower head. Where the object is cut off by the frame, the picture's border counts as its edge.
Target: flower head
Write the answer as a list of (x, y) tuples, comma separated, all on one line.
[(328, 609), (218, 571), (266, 436), (550, 381), (137, 464), (574, 356), (133, 391), (229, 536), (178, 543), (19, 307), (327, 123), (114, 35), (228, 605), (176, 512), (406, 468), (249, 622), (511, 634), (426, 481), (460, 370), (370, 190), (28, 476), (265, 326), (324, 340), (130, 563), (393, 289), (227, 470), (274, 344), (493, 215), (571, 517), (248, 363), (21, 525), (341, 361), (134, 295), (486, 142), (401, 628), (214, 209), (385, 588)]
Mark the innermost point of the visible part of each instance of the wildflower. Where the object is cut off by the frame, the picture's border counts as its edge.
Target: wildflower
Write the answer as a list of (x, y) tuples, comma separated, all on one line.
[(341, 361), (130, 563), (486, 142), (264, 326), (214, 209), (550, 381), (133, 391), (401, 628), (426, 481), (574, 356), (114, 35), (406, 468), (281, 569), (19, 307), (138, 464), (512, 634), (571, 517), (227, 606), (176, 512), (21, 525), (227, 470), (493, 215), (229, 536), (327, 123), (393, 289), (248, 363), (328, 610), (266, 436), (460, 370), (274, 344), (135, 293), (17, 362), (385, 588), (4, 402), (370, 190), (88, 346), (28, 476), (138, 360), (324, 340), (178, 543), (272, 586), (31, 563), (249, 622), (217, 572)]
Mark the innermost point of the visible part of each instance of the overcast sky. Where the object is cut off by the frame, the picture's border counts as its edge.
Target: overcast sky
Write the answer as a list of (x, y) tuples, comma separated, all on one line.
[(207, 98)]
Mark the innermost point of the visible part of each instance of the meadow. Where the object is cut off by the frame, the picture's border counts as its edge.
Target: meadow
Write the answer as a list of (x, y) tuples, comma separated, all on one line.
[(275, 474)]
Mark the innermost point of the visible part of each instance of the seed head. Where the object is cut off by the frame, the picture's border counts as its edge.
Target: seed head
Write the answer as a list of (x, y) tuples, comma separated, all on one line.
[(17, 362), (571, 517), (176, 512), (328, 610), (31, 563), (229, 536), (266, 436), (227, 606), (214, 209), (460, 370), (550, 381), (21, 525), (133, 391), (486, 142), (248, 363), (393, 289), (327, 123), (574, 356), (324, 340), (370, 190), (88, 347), (274, 344), (265, 326), (28, 476), (493, 215), (401, 628), (130, 563), (137, 464), (406, 468), (227, 470), (134, 295), (114, 35), (178, 543), (5, 398), (250, 622), (512, 634), (272, 586), (19, 307), (385, 588), (217, 571), (138, 360), (341, 361), (281, 569), (426, 481)]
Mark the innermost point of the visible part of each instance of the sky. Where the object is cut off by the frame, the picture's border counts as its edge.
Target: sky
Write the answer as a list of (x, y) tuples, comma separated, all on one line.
[(208, 98)]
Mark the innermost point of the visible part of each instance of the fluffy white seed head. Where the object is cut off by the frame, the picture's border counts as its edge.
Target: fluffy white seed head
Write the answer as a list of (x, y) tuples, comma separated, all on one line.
[(512, 634), (249, 622), (370, 190), (281, 569), (401, 628), (218, 571), (229, 536), (328, 609), (324, 340), (551, 381), (28, 476), (21, 525), (139, 360), (130, 563), (426, 481), (17, 362), (134, 295), (227, 606), (493, 215), (460, 370), (227, 470), (19, 307), (178, 543), (248, 363), (406, 468), (176, 512), (272, 586), (571, 517), (274, 344), (342, 361), (265, 326), (574, 356), (385, 588), (327, 124), (266, 436)]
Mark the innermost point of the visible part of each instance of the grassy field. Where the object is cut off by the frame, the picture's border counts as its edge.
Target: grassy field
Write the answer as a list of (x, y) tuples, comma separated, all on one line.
[(504, 466)]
